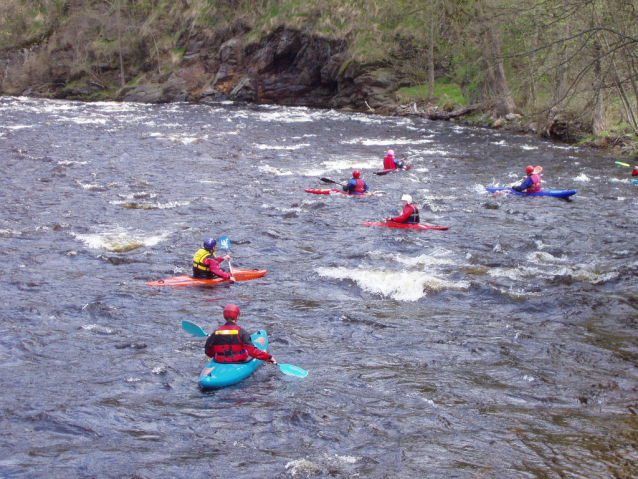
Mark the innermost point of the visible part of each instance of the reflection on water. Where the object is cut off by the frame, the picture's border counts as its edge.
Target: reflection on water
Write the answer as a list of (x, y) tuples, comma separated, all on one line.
[(503, 347)]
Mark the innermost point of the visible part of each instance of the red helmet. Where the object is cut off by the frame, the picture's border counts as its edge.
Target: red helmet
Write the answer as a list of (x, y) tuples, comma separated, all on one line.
[(356, 174), (529, 170), (231, 311)]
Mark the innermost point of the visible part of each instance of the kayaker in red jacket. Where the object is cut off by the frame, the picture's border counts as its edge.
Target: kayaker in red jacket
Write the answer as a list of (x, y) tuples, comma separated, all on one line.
[(390, 162), (410, 213), (635, 172), (531, 184), (231, 343), (206, 262), (356, 185)]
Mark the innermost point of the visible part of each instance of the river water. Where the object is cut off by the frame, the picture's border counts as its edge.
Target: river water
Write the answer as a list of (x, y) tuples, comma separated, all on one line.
[(504, 347)]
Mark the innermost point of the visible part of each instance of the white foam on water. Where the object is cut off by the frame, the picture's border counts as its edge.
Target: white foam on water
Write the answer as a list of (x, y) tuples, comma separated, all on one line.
[(87, 121), (585, 273), (119, 240), (433, 152), (541, 257), (302, 467), (90, 186), (372, 142), (69, 162), (293, 115), (582, 177), (529, 147), (98, 328), (347, 459), (282, 147), (17, 127), (274, 171), (401, 285), (425, 260)]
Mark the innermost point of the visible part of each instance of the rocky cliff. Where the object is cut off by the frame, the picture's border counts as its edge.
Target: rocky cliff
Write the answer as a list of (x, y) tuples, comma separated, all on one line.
[(288, 67)]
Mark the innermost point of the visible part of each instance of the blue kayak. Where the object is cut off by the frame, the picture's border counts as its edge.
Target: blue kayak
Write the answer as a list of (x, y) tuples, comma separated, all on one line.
[(635, 181), (218, 375), (554, 193)]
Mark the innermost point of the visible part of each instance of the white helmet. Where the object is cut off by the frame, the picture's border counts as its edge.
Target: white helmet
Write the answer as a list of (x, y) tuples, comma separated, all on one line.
[(407, 198), (390, 152)]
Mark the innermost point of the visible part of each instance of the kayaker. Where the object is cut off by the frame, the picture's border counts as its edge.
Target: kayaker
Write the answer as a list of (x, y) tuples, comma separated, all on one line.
[(635, 172), (531, 184), (206, 262), (356, 185), (410, 213), (391, 163), (231, 343)]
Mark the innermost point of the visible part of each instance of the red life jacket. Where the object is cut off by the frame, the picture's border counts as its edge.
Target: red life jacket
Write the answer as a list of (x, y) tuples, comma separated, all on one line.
[(388, 163), (226, 345), (360, 188), (536, 184)]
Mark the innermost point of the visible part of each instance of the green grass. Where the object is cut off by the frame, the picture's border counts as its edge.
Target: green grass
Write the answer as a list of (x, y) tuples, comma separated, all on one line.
[(444, 92)]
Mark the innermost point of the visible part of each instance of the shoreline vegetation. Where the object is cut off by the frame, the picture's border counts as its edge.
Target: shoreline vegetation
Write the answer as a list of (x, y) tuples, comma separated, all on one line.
[(562, 70)]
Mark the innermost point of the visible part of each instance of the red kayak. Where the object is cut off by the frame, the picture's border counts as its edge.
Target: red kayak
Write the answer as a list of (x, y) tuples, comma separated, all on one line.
[(185, 280), (412, 226), (328, 191), (385, 172)]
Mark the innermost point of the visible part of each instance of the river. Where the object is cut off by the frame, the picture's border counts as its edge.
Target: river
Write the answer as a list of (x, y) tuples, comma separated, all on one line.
[(504, 347)]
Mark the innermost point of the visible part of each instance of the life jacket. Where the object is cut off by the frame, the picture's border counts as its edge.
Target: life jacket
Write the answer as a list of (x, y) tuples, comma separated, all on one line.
[(388, 163), (224, 345), (200, 269), (360, 186), (536, 184), (414, 217)]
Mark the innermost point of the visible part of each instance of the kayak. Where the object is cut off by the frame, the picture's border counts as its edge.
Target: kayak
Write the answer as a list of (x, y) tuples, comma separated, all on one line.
[(328, 191), (185, 280), (634, 181), (218, 375), (412, 226), (554, 193), (385, 172)]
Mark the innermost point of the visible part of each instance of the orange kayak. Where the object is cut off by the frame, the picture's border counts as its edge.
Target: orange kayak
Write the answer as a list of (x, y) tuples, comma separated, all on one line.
[(185, 280)]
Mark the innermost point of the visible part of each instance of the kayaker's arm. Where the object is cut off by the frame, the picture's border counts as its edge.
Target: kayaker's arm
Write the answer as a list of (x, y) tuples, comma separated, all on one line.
[(244, 337), (527, 182)]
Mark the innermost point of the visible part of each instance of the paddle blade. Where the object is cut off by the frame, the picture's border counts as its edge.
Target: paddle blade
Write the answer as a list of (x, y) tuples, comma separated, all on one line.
[(193, 329), (291, 370), (224, 243), (538, 169), (622, 164), (328, 180)]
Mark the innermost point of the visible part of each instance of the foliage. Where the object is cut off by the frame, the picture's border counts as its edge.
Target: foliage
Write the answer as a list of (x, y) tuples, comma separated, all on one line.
[(444, 93)]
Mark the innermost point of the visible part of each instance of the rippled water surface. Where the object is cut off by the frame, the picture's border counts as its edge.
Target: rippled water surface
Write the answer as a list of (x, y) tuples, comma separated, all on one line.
[(503, 347)]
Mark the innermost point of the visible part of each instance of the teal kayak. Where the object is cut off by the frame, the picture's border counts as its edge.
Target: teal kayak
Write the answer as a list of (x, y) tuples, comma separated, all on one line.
[(634, 181), (218, 375)]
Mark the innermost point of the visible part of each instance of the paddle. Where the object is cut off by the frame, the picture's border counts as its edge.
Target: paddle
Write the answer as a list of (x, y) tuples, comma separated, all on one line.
[(328, 180), (624, 164), (224, 243), (289, 369)]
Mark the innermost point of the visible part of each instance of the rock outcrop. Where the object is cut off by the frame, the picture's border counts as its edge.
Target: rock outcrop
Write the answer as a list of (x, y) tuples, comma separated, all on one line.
[(288, 68)]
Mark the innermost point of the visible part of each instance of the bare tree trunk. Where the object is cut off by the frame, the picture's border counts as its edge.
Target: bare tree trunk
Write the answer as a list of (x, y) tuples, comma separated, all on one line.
[(598, 120), (431, 56), (119, 39), (495, 87)]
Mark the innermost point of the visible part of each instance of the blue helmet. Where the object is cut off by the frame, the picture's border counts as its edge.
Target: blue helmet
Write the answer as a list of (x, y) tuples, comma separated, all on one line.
[(210, 243)]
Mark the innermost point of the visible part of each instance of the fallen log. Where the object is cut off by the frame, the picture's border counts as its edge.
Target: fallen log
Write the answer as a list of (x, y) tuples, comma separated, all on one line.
[(435, 115)]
